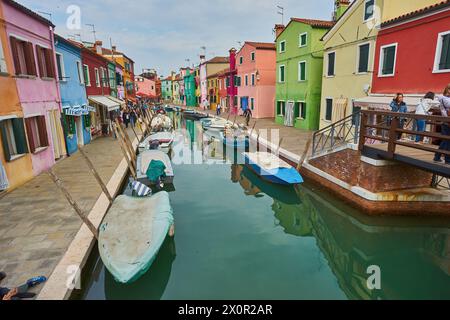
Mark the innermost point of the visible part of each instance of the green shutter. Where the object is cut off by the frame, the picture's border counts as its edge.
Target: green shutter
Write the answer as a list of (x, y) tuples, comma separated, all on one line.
[(303, 111), (19, 134), (364, 58), (5, 141), (444, 64), (388, 60), (331, 60)]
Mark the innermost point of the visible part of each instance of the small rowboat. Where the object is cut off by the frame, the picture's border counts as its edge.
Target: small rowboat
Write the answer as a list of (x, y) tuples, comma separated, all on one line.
[(239, 141), (132, 234), (214, 123), (271, 168), (195, 116), (164, 140), (145, 159), (161, 122)]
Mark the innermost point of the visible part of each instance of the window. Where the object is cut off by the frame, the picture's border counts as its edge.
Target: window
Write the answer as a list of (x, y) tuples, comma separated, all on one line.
[(227, 81), (87, 77), (241, 60), (363, 58), (60, 65), (331, 64), (45, 62), (252, 56), (297, 110), (387, 60), (23, 56), (303, 39), (281, 75), (300, 110), (329, 109), (302, 71), (80, 72), (282, 46), (369, 6), (13, 138), (246, 80), (281, 107), (253, 79), (36, 133), (237, 81), (442, 61), (2, 60), (252, 103), (97, 77)]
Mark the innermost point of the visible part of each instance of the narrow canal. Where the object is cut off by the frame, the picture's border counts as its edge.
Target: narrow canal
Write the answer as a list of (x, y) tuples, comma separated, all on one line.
[(238, 237)]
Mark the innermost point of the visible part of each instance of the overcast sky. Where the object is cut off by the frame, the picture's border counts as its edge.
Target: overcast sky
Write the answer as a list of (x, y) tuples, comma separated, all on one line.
[(162, 34)]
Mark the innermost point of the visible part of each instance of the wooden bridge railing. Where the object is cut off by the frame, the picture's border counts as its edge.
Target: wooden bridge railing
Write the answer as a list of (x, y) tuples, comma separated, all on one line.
[(391, 127)]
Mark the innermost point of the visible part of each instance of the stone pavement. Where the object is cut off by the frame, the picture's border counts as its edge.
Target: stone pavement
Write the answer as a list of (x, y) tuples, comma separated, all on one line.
[(37, 224)]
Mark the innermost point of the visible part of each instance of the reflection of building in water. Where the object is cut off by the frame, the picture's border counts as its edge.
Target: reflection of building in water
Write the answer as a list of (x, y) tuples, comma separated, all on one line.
[(414, 260)]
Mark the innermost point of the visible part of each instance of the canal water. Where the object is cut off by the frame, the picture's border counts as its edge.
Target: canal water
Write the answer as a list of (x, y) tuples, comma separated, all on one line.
[(238, 237)]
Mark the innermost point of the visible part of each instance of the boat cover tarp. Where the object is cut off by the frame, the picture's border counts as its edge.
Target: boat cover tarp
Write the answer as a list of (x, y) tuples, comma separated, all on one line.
[(156, 170), (132, 234)]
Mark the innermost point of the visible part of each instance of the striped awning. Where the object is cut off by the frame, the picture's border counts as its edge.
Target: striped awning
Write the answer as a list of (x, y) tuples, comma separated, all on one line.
[(78, 110), (106, 102)]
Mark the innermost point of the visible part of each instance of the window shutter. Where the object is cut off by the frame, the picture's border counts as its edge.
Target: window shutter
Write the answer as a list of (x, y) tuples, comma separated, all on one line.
[(444, 64), (4, 141), (19, 134), (364, 58), (29, 57), (50, 61), (43, 131), (38, 54), (28, 124), (15, 55)]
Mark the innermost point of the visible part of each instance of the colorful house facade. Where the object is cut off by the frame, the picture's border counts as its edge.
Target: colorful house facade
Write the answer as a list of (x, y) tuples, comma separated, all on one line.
[(213, 91), (31, 45), (223, 89), (166, 89), (256, 64), (208, 68), (231, 82), (422, 35), (190, 88), (299, 72), (145, 88), (349, 58), (15, 157), (76, 111)]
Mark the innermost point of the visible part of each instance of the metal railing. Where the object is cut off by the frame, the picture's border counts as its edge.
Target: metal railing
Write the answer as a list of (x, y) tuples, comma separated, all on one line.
[(337, 134)]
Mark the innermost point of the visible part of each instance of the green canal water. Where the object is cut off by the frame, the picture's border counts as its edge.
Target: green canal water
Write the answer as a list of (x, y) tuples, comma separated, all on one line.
[(238, 237)]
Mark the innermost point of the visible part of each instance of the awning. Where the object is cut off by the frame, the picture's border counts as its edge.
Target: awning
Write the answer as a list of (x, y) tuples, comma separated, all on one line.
[(106, 102), (119, 101), (77, 110), (383, 102)]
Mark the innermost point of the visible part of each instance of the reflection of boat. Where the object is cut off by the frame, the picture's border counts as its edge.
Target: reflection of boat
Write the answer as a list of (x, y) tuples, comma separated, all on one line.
[(273, 169), (132, 234), (284, 194), (214, 123), (152, 285), (145, 159), (235, 141), (164, 140)]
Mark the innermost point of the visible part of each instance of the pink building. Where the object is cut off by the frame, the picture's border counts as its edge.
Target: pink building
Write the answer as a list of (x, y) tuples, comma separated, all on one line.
[(145, 88), (31, 43), (256, 64)]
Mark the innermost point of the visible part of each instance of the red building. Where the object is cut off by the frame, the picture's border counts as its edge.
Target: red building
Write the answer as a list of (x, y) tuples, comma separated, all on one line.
[(413, 52), (223, 90)]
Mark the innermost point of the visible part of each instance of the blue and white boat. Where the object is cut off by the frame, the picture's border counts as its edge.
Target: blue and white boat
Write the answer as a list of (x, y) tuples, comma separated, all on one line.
[(271, 168), (240, 141)]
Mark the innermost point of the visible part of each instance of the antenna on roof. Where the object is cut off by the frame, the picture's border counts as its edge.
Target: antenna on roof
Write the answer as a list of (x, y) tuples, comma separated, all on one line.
[(93, 30), (281, 13)]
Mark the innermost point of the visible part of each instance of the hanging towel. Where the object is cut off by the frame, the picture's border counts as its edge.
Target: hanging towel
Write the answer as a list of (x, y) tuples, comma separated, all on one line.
[(4, 183), (140, 189)]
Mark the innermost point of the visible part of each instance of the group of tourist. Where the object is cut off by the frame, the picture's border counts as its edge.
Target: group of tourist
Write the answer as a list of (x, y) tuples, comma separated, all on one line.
[(425, 108)]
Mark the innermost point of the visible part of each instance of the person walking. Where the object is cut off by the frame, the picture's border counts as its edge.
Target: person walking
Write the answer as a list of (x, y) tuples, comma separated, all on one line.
[(423, 109), (444, 104), (126, 118), (398, 105), (248, 115), (218, 110), (133, 118)]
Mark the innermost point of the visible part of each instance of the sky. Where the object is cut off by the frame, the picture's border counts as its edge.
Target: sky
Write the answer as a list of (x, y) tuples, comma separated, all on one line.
[(163, 34)]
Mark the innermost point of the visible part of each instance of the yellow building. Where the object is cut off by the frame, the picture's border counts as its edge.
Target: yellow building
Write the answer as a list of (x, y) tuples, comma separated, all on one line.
[(198, 92), (350, 51), (213, 91)]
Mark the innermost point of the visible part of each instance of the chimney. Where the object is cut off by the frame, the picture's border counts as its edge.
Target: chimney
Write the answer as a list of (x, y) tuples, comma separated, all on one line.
[(98, 46), (114, 48), (202, 59), (340, 8), (232, 58), (279, 28)]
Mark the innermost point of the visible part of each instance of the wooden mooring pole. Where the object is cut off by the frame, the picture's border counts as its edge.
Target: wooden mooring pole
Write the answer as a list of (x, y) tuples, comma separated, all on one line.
[(125, 153), (305, 154), (73, 203)]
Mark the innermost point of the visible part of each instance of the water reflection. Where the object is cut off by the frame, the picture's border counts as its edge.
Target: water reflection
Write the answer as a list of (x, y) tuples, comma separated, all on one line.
[(414, 260)]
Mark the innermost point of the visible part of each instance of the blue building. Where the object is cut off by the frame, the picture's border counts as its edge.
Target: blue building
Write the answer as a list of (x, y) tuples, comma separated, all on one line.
[(76, 111)]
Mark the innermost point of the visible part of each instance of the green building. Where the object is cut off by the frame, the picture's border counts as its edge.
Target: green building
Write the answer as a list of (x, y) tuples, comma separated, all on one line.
[(189, 89), (299, 72), (112, 79), (166, 89)]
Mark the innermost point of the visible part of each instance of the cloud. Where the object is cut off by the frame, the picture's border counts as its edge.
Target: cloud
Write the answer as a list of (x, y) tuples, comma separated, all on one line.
[(162, 34)]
